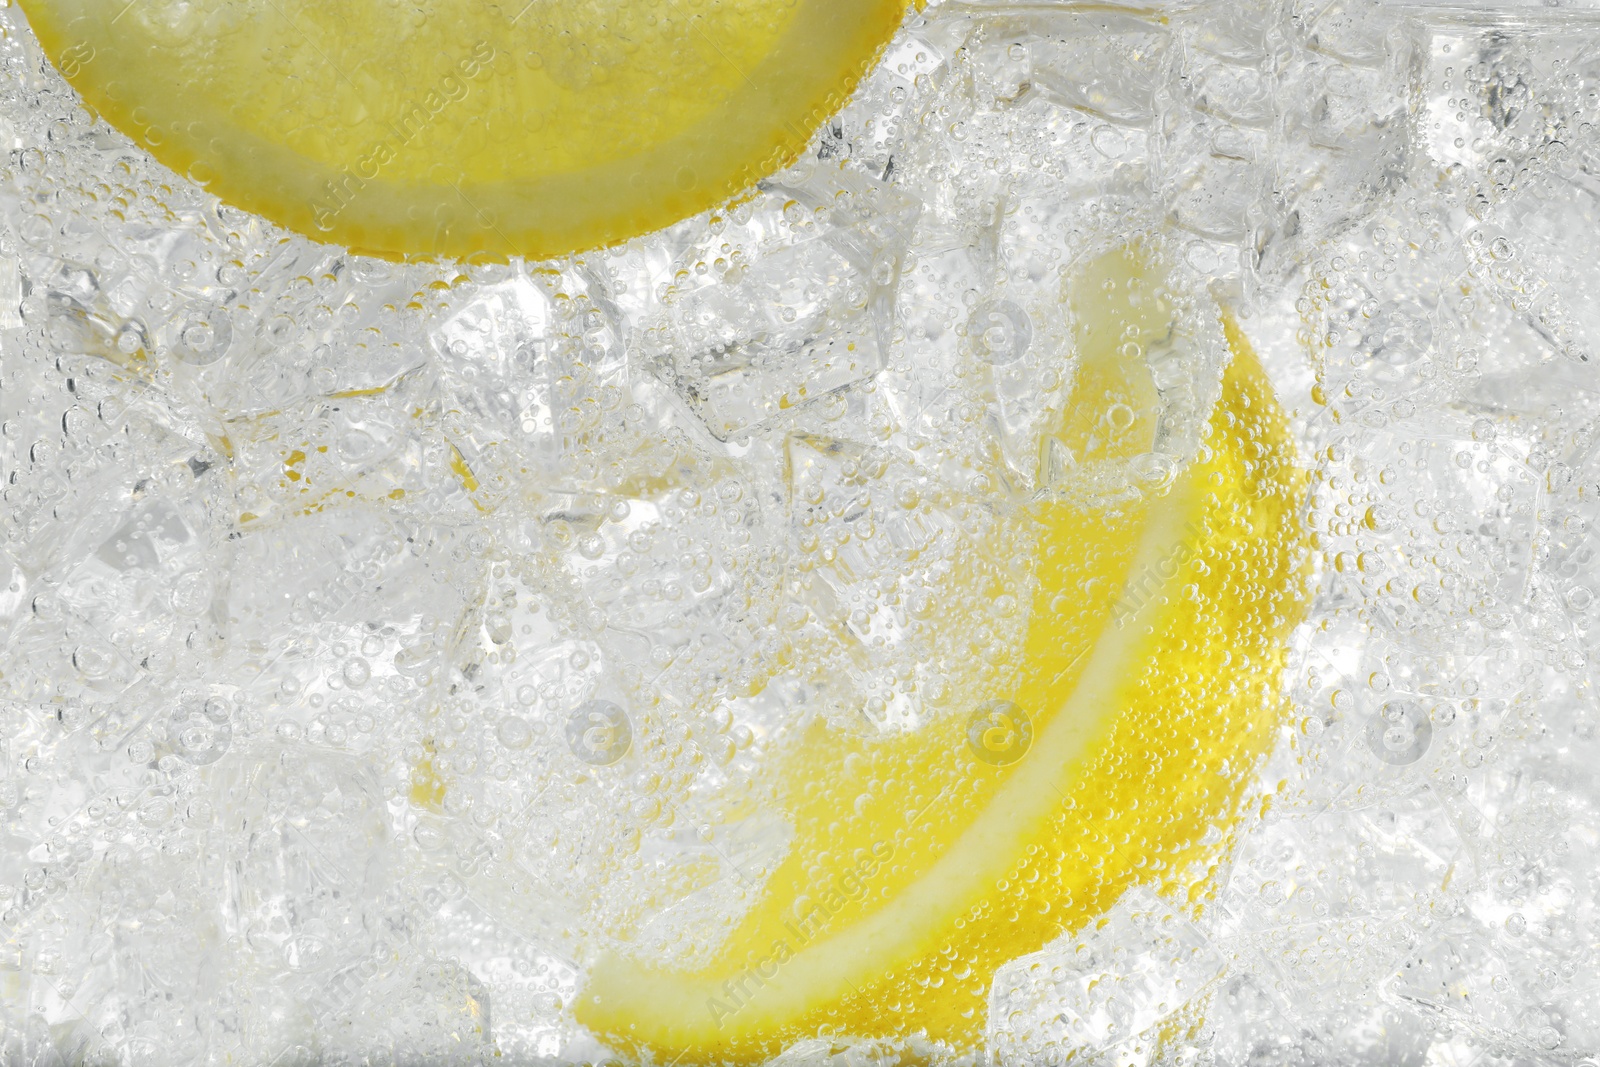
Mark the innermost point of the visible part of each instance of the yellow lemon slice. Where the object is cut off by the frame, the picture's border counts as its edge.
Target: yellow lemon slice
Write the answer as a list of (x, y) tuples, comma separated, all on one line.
[(1143, 697), (497, 128)]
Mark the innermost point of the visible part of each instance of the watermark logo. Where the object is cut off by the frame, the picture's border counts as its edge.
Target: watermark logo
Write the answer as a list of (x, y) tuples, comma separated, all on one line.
[(415, 117), (999, 733), (1001, 332), (1152, 578), (75, 58), (1400, 733), (599, 733), (808, 920)]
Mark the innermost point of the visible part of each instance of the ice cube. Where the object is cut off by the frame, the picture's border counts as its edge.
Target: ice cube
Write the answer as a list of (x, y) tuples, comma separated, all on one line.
[(793, 302), (1102, 992)]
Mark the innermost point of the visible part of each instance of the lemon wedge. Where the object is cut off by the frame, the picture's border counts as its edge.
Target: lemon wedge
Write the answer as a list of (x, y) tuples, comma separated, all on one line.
[(489, 128), (1142, 699)]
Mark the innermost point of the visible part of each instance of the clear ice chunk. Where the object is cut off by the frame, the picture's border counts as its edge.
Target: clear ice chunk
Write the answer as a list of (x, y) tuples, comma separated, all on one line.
[(791, 297), (1101, 994)]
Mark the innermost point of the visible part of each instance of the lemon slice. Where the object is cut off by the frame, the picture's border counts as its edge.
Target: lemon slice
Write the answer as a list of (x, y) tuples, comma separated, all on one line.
[(489, 128), (1143, 697)]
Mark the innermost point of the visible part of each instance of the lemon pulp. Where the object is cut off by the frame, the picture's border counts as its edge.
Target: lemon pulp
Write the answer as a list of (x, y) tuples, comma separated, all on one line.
[(1147, 679), (491, 128)]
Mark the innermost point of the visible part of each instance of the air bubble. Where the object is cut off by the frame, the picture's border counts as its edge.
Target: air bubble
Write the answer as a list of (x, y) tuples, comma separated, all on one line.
[(514, 732)]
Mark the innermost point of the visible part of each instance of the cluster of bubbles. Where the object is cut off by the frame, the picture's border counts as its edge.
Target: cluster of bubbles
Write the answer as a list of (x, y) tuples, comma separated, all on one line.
[(380, 641), (1426, 826)]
